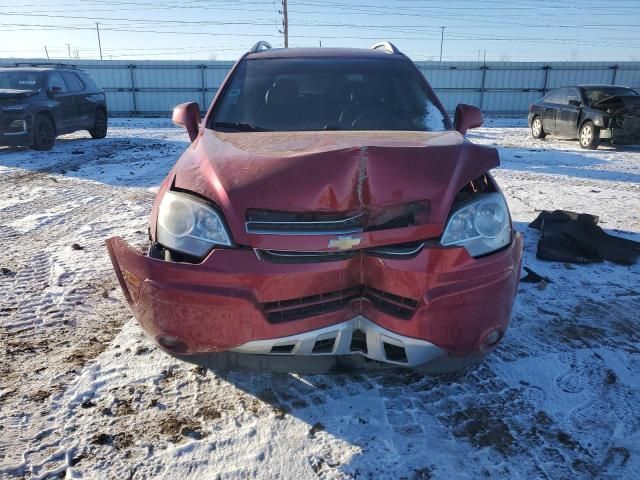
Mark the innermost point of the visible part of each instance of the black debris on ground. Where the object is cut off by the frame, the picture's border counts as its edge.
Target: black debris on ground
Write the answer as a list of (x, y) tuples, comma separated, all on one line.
[(317, 427), (571, 237), (608, 247), (533, 277)]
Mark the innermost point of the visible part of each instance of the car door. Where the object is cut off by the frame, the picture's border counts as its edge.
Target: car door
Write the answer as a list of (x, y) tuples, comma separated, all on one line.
[(551, 107), (63, 107), (569, 112), (80, 115)]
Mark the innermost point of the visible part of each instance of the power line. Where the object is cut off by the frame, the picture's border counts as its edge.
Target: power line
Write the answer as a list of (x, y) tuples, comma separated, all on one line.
[(266, 22), (458, 15)]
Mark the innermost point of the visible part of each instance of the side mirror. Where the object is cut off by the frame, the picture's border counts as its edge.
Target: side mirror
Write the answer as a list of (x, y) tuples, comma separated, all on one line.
[(187, 115), (575, 103), (467, 116)]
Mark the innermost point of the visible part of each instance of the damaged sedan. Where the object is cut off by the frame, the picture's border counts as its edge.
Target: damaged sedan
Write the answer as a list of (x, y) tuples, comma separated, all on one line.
[(590, 113), (326, 211)]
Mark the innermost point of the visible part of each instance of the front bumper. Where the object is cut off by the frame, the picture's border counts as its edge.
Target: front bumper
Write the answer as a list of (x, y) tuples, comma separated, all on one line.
[(222, 304), (626, 133), (15, 129)]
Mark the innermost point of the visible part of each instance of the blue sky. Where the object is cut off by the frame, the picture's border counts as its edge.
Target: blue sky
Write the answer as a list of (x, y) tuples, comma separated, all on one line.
[(517, 30)]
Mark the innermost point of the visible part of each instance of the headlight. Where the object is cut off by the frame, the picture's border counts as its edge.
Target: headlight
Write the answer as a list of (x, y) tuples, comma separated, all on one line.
[(189, 225), (481, 226)]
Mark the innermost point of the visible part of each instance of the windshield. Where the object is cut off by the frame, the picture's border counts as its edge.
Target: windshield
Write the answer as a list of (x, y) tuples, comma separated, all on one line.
[(20, 80), (595, 95), (327, 94)]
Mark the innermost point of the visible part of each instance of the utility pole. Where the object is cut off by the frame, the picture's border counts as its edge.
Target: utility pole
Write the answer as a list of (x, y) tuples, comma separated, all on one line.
[(69, 50), (285, 23), (99, 44), (47, 52), (441, 42)]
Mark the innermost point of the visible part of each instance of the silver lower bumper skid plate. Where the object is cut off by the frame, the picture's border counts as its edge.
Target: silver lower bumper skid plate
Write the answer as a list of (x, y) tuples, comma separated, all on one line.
[(358, 336)]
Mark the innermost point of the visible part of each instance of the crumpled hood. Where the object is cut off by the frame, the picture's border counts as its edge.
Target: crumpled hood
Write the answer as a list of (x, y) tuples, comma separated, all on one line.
[(342, 172)]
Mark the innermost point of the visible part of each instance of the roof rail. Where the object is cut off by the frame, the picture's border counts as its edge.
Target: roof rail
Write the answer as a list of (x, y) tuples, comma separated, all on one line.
[(386, 46), (45, 64), (260, 46)]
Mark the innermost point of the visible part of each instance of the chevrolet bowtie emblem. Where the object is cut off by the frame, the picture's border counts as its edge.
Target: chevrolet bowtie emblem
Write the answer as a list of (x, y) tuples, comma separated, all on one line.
[(344, 243)]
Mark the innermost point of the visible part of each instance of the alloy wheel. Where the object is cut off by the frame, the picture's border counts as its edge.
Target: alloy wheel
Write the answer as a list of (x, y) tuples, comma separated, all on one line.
[(537, 127), (45, 133), (586, 135)]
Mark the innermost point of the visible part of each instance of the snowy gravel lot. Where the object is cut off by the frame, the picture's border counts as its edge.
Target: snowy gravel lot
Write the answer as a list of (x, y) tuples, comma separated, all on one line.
[(84, 394)]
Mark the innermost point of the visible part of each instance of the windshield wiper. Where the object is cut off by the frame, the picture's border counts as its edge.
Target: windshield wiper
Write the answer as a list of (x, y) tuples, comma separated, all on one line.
[(241, 126), (333, 127)]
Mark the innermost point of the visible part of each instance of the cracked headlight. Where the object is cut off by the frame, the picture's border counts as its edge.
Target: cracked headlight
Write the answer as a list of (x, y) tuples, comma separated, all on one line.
[(482, 225), (189, 225)]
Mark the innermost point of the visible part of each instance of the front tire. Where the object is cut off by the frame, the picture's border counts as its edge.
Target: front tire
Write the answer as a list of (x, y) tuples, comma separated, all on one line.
[(536, 128), (44, 133), (589, 136), (99, 129)]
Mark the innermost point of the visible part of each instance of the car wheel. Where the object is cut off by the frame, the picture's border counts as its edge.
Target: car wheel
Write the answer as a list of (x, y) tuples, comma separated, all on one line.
[(44, 133), (589, 136), (536, 128), (100, 125)]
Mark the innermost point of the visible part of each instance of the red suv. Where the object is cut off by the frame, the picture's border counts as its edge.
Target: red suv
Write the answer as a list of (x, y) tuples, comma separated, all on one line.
[(326, 208)]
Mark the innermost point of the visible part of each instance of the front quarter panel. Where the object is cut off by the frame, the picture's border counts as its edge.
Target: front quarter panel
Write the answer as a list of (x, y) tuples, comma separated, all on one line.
[(596, 116)]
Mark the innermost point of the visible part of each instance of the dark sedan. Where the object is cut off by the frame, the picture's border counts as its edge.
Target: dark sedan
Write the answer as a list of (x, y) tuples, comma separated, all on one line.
[(590, 113)]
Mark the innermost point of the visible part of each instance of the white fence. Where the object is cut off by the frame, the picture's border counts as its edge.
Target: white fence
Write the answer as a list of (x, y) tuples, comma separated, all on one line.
[(155, 87)]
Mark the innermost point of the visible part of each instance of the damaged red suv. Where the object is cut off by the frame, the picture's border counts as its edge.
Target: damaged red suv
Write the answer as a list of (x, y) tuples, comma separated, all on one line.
[(326, 210)]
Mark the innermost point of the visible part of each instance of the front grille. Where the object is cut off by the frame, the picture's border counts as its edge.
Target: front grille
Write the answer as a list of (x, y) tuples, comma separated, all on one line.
[(298, 308), (269, 222), (284, 223), (391, 304), (305, 307), (405, 250), (280, 256)]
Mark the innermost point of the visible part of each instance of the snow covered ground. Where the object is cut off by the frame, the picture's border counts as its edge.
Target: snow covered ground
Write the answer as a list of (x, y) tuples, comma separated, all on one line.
[(83, 393)]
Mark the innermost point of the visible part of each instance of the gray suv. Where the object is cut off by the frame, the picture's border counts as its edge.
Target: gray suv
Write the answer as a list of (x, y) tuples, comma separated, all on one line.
[(38, 102)]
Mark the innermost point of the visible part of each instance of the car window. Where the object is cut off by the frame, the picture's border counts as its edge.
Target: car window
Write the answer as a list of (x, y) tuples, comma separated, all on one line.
[(556, 96), (298, 94), (572, 94), (73, 83), (21, 80), (90, 82), (597, 94), (55, 80)]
